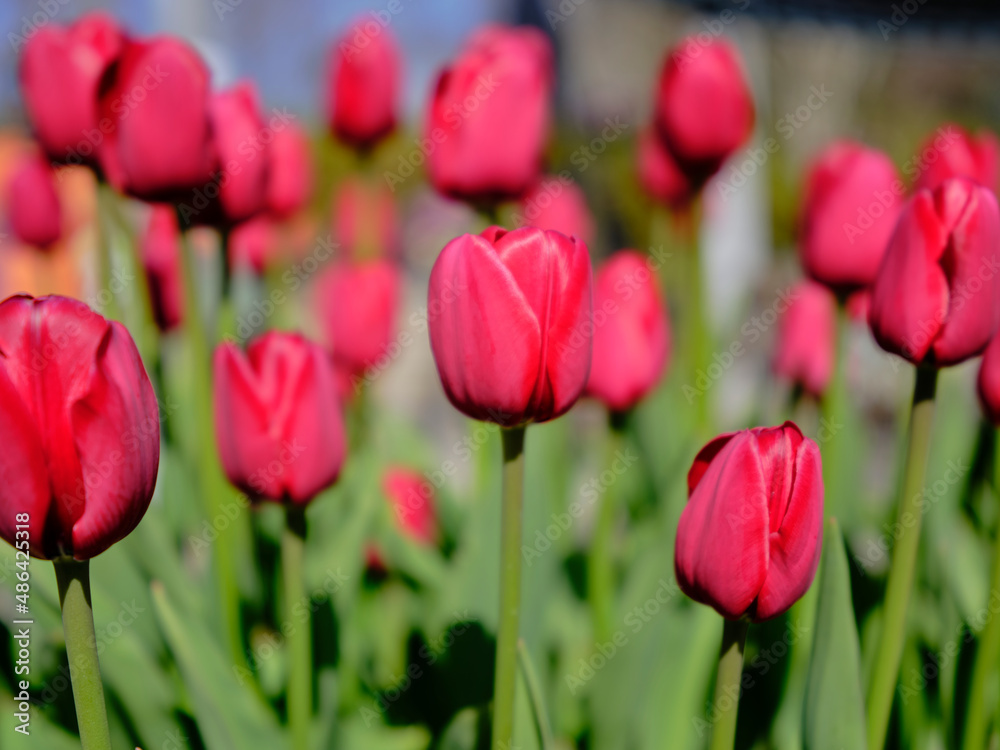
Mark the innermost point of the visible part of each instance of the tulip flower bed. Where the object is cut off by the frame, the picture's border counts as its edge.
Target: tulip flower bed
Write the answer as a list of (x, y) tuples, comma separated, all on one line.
[(241, 516)]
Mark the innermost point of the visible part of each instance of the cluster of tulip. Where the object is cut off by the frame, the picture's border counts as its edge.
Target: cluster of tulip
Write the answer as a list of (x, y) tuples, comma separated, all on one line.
[(523, 328)]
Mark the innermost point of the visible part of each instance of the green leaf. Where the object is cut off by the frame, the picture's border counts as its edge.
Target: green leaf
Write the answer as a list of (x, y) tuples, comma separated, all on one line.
[(231, 715), (834, 711)]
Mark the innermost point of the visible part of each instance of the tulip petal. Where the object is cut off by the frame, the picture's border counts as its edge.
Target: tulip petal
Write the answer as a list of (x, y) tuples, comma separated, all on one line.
[(242, 428), (487, 340), (794, 540), (721, 556), (23, 473), (116, 428), (970, 262), (910, 295), (311, 436), (704, 459)]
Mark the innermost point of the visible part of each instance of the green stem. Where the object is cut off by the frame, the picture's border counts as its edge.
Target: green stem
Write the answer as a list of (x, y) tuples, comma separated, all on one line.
[(727, 683), (209, 472), (901, 573), (977, 719), (510, 587), (73, 579), (698, 331), (542, 726), (105, 241), (832, 407), (600, 567), (299, 636)]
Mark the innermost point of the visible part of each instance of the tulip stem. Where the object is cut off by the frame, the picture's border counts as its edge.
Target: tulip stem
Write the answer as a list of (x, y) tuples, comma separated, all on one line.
[(699, 334), (901, 573), (987, 653), (299, 696), (832, 407), (73, 579), (510, 587), (600, 566), (727, 683), (209, 472)]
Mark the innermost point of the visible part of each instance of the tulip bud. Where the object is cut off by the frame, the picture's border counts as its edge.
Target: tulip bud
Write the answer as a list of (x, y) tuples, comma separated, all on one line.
[(853, 197), (365, 223), (290, 178), (364, 78), (277, 421), (242, 182), (60, 72), (511, 322), (357, 306), (79, 425), (489, 116), (989, 381), (412, 499), (558, 204), (252, 244), (807, 335), (936, 299), (704, 110), (659, 174), (161, 248), (748, 541), (33, 207), (951, 151), (631, 331), (158, 146)]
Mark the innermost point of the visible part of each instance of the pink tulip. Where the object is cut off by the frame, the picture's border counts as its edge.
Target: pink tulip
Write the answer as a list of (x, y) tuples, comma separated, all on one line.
[(156, 101), (33, 208), (632, 344), (936, 298), (659, 174), (365, 221), (60, 72), (161, 248), (704, 110), (952, 151), (489, 116), (853, 197), (557, 203), (364, 79), (277, 421), (412, 499), (510, 323), (807, 338), (290, 178), (79, 425), (252, 244), (357, 306), (748, 542)]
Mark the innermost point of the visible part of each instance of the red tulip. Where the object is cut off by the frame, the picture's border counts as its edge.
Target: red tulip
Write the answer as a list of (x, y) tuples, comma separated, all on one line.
[(989, 381), (659, 174), (953, 152), (357, 306), (936, 297), (489, 116), (290, 178), (277, 421), (33, 208), (364, 78), (704, 110), (158, 146), (161, 248), (853, 197), (79, 425), (365, 224), (511, 323), (243, 177), (412, 499), (858, 305), (60, 72), (631, 331), (557, 203), (252, 244), (807, 334), (748, 542)]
